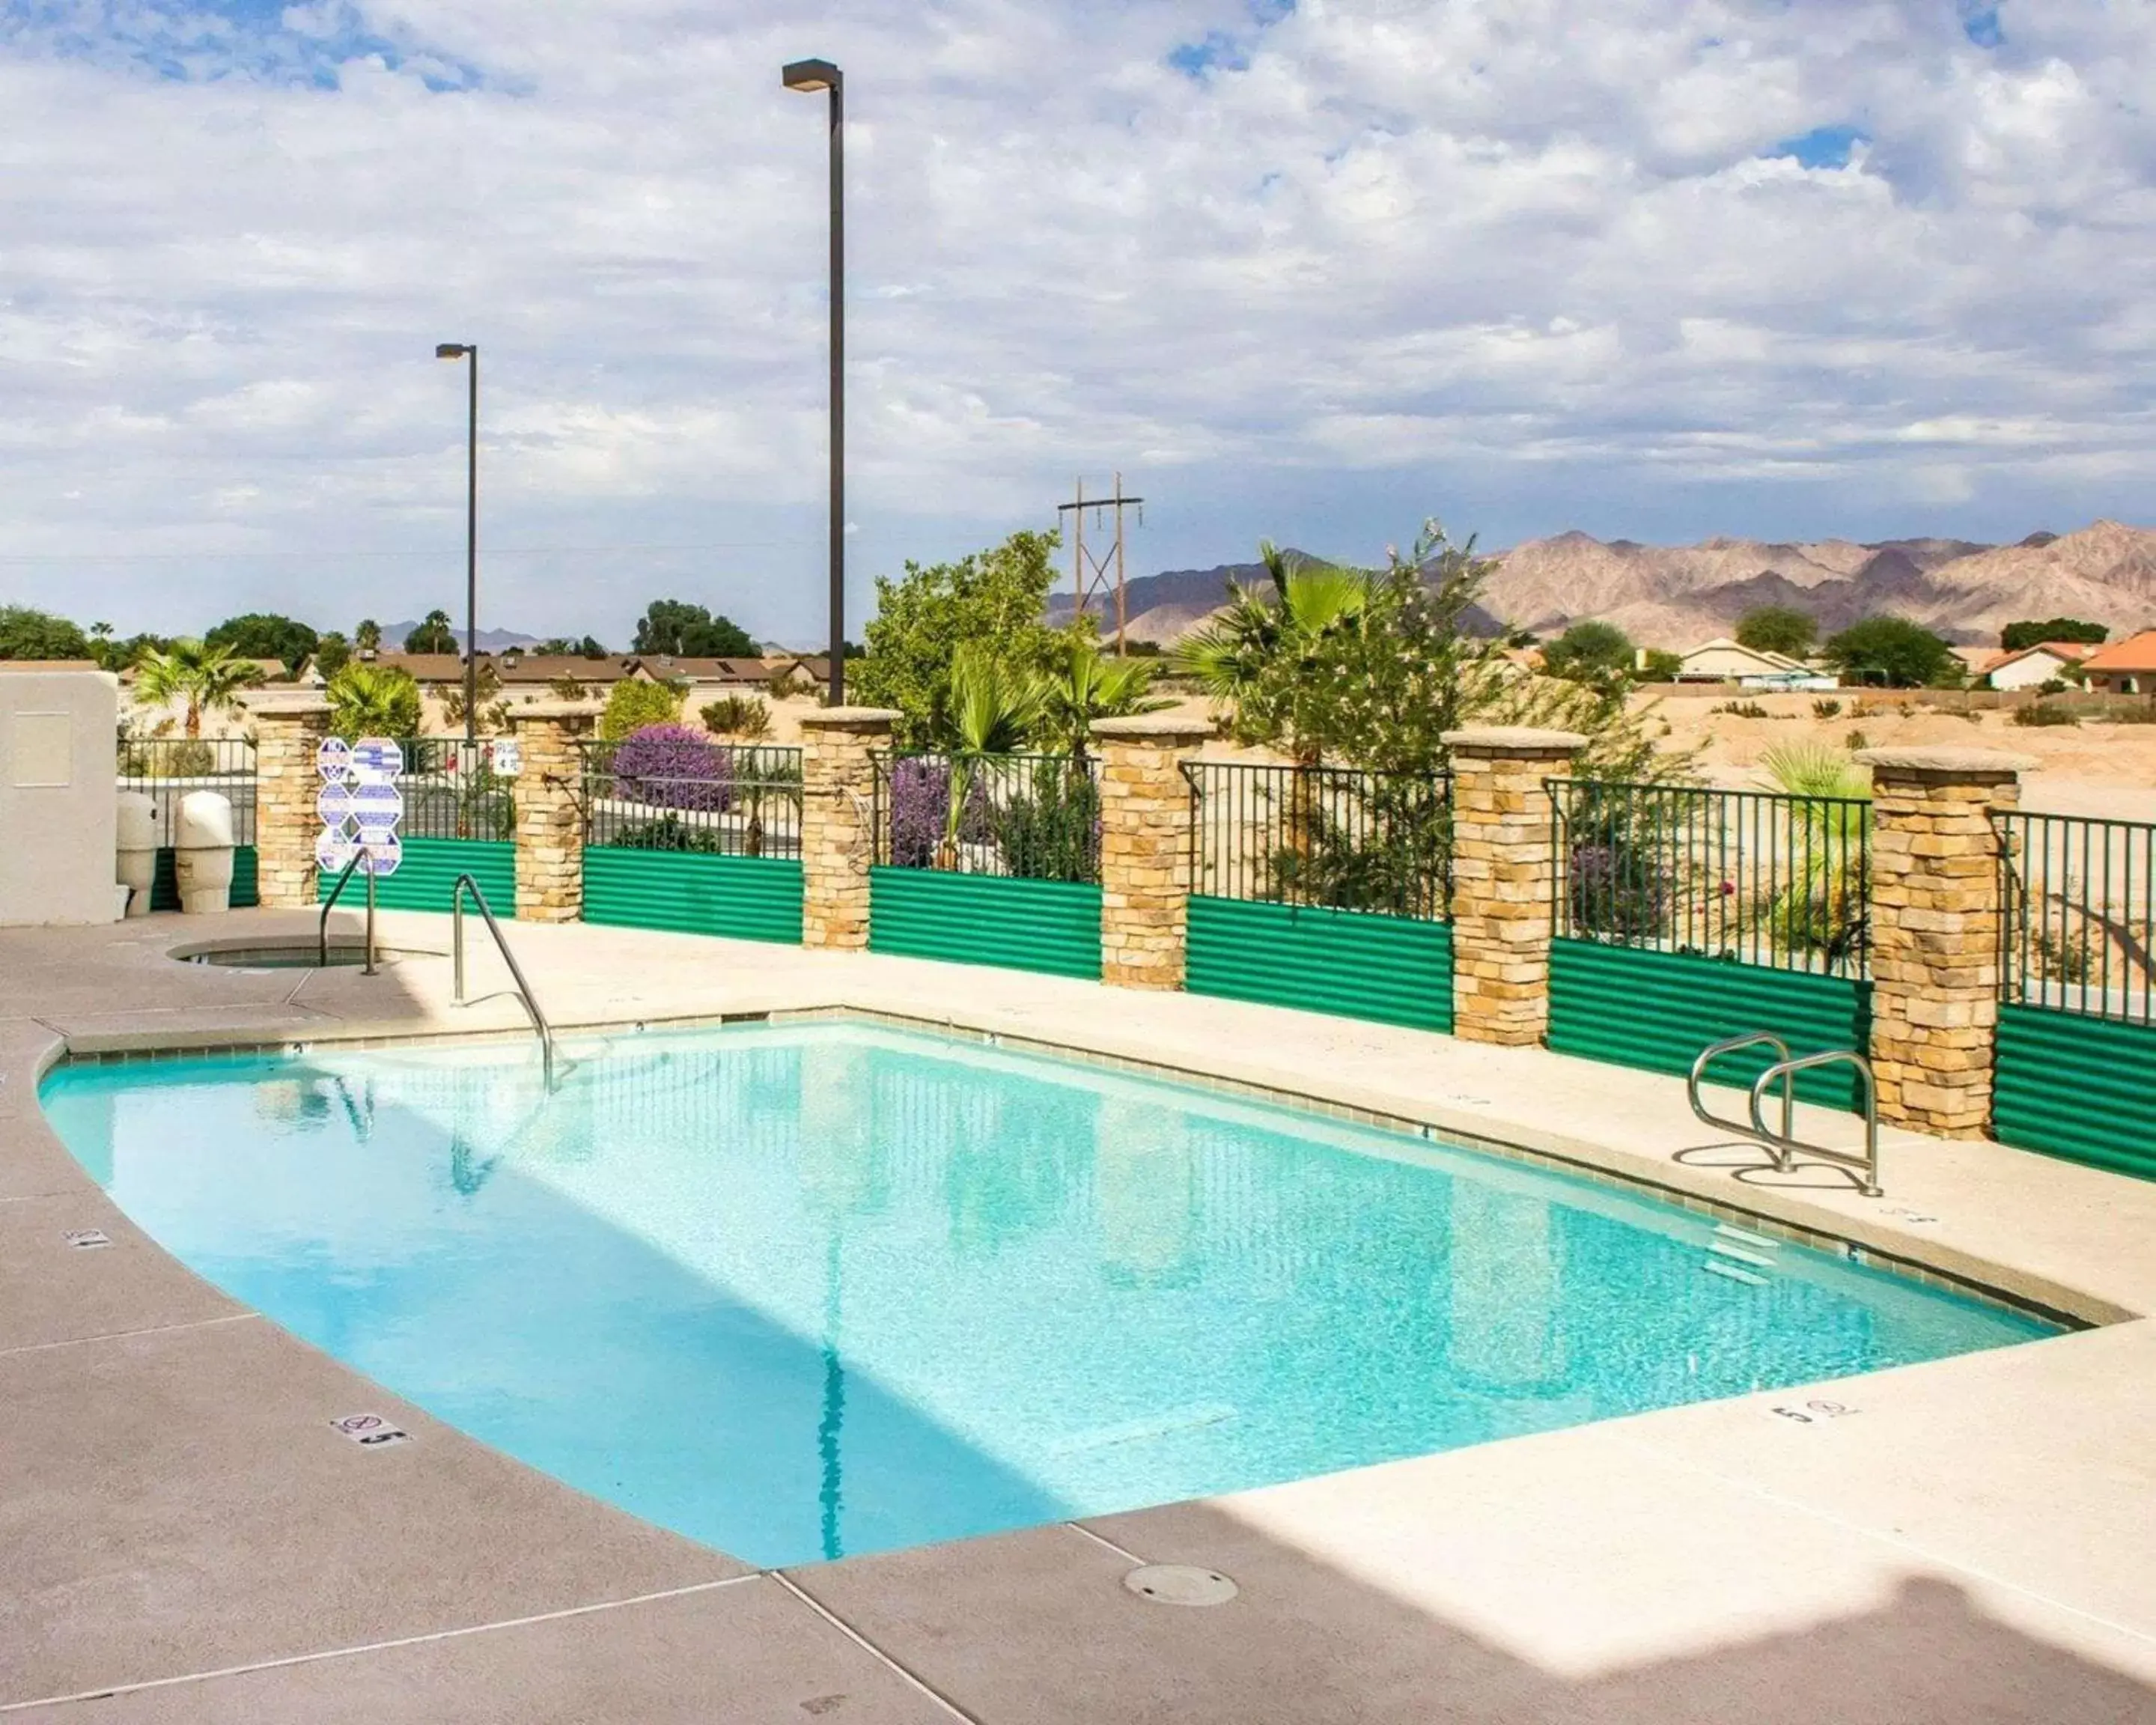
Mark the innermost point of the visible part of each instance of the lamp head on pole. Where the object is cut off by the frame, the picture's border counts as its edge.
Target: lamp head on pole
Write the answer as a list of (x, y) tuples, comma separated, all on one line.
[(452, 350), (811, 75)]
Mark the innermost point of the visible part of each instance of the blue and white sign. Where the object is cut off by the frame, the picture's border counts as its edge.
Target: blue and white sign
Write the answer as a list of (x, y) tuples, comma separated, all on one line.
[(335, 849), (334, 805), (376, 760), (360, 804), (384, 856), (333, 759), (377, 809)]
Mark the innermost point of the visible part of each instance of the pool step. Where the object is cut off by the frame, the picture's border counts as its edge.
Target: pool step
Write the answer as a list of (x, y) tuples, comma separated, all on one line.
[(1737, 1255)]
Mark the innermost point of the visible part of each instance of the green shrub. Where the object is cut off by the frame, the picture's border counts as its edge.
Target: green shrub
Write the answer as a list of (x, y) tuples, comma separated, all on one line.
[(633, 704), (1826, 709), (2038, 713), (742, 715)]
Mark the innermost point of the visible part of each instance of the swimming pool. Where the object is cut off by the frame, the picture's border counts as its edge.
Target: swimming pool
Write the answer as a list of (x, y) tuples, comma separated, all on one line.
[(808, 1290)]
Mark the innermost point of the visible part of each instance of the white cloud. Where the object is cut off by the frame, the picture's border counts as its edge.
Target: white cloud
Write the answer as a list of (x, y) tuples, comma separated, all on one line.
[(1519, 261)]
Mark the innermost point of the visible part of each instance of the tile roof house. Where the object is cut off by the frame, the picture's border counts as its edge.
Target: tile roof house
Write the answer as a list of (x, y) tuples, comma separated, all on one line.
[(2127, 667), (2029, 667)]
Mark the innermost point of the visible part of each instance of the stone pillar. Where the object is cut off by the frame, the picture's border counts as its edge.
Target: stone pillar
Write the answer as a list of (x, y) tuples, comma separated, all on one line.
[(1936, 921), (288, 729), (838, 831), (1145, 847), (1504, 872), (549, 816)]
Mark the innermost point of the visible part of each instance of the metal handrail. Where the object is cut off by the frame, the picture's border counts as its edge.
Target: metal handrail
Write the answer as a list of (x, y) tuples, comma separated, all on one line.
[(1714, 1053), (1783, 1147), (516, 971), (1788, 1144), (322, 926)]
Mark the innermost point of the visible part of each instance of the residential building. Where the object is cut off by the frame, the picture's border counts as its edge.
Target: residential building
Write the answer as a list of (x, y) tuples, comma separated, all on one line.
[(1723, 660), (2127, 667), (2031, 667)]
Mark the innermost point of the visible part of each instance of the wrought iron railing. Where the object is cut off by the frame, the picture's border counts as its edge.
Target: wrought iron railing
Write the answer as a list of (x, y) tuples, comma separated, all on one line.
[(453, 790), (1032, 817), (1321, 835), (166, 768), (718, 799), (1759, 877), (2079, 923)]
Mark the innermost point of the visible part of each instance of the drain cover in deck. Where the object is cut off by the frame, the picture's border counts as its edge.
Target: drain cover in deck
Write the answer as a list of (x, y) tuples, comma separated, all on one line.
[(1180, 1584)]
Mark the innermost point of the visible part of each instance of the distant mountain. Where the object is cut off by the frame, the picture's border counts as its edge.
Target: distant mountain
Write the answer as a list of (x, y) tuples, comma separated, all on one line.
[(491, 640)]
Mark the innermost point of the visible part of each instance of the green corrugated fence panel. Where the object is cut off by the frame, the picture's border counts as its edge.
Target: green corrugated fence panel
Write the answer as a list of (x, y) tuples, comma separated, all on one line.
[(1051, 926), (165, 888), (424, 880), (757, 898), (2076, 1086), (1659, 1010), (1397, 970)]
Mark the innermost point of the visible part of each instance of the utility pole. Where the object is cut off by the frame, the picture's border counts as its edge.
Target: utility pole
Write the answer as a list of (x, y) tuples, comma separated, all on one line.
[(1090, 574)]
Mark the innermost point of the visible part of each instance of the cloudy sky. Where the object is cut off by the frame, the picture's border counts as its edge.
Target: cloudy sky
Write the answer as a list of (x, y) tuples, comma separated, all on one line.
[(1307, 268)]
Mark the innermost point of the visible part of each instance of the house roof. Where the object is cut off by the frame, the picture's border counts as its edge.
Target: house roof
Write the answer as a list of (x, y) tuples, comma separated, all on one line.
[(1723, 644), (2135, 653), (2065, 652)]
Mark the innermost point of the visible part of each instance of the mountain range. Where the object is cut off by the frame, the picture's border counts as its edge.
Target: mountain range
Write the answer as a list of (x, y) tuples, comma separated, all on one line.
[(1677, 596)]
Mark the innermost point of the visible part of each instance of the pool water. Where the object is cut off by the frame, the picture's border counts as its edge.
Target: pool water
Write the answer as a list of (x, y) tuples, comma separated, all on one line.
[(811, 1290)]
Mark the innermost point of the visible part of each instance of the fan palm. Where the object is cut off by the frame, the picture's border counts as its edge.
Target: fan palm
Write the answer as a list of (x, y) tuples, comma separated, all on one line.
[(204, 678), (1824, 906), (1088, 686), (373, 701)]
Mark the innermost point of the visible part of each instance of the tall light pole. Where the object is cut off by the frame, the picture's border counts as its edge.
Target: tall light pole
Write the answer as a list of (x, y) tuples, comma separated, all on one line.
[(470, 350), (815, 75)]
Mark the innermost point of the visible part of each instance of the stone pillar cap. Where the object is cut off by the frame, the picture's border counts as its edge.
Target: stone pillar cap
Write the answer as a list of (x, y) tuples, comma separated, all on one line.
[(1513, 740), (552, 709), (281, 703), (850, 718), (1154, 728), (1949, 762)]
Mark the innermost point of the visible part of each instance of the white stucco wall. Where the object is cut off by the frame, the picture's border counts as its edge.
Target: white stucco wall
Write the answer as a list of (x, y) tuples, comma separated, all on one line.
[(58, 791), (2027, 671)]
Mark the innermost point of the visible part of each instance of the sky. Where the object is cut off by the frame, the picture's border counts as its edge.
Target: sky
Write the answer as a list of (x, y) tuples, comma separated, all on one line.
[(1305, 269)]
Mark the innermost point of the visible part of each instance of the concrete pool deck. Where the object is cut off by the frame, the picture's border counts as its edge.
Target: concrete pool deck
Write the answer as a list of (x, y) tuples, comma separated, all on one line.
[(181, 1533)]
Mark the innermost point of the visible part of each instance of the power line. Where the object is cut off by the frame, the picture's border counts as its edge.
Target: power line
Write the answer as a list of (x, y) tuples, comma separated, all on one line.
[(498, 551), (1090, 574)]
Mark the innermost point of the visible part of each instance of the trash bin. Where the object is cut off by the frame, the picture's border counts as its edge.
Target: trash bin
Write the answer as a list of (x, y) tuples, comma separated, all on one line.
[(204, 863), (137, 870)]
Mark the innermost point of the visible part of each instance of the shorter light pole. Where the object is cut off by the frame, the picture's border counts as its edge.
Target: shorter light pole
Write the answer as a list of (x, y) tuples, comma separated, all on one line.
[(813, 75), (470, 350)]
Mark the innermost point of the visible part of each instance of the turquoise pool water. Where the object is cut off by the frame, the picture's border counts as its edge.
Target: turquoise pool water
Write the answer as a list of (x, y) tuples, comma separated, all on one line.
[(813, 1290)]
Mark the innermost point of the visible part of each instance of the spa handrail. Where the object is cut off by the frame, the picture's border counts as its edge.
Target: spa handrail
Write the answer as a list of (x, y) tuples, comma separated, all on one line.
[(322, 927), (516, 971)]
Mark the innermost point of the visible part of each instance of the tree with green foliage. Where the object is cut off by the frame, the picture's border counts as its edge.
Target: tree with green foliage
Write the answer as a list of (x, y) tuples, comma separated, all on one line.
[(369, 699), (565, 647), (686, 631), (1777, 629), (2017, 635), (434, 635), (29, 634), (633, 703), (202, 677), (1895, 652), (367, 637), (998, 598), (332, 653), (1661, 666), (1589, 649), (265, 634), (1087, 685)]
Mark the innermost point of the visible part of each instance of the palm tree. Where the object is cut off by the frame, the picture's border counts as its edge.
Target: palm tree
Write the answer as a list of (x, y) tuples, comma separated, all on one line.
[(367, 637), (434, 635), (995, 709), (1824, 906), (205, 678), (373, 701), (1087, 686)]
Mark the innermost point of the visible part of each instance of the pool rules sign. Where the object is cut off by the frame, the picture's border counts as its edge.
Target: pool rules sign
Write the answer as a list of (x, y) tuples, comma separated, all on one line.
[(360, 804)]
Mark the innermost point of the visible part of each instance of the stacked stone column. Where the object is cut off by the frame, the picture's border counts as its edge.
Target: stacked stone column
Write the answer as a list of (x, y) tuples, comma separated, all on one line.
[(1145, 847), (838, 831), (1504, 875), (1936, 913), (550, 819), (288, 730)]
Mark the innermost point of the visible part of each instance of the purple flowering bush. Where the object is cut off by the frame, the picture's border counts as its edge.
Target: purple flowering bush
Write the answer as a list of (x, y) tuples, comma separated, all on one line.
[(920, 811), (673, 767)]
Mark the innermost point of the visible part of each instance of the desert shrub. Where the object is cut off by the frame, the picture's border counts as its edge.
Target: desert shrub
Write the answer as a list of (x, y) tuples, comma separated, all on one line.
[(742, 715), (920, 791), (1857, 740), (1051, 830), (1388, 850), (1743, 710), (2135, 713), (2037, 714), (1619, 887), (669, 832), (1826, 708), (2052, 685), (673, 767), (633, 706)]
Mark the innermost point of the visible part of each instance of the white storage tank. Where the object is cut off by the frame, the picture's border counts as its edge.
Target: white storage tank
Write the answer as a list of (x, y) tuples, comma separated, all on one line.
[(138, 849), (203, 838)]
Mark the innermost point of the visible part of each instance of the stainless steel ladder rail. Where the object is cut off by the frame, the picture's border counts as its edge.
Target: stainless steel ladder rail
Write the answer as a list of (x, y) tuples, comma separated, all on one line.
[(322, 926), (1784, 1147), (515, 970)]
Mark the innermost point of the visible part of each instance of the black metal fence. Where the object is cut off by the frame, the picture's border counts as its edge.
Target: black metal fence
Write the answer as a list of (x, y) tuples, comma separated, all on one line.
[(1322, 835), (2079, 928), (166, 768), (1034, 817), (1760, 877), (452, 790), (720, 799)]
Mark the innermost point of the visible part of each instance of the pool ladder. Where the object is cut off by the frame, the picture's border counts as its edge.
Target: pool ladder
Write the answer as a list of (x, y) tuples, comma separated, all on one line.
[(1783, 1148), (516, 971), (360, 855)]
